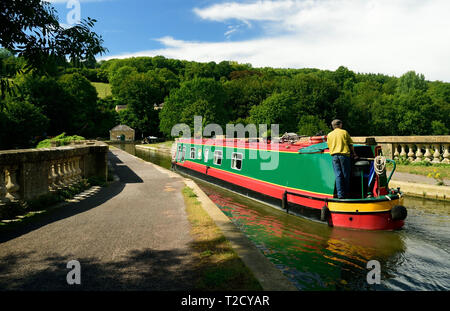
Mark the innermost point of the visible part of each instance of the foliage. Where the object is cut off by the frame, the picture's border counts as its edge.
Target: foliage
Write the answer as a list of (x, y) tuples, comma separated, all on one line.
[(21, 123), (276, 109), (50, 96), (103, 89), (200, 96), (310, 125), (437, 177), (82, 98), (141, 92), (411, 81), (300, 100), (60, 140), (30, 29)]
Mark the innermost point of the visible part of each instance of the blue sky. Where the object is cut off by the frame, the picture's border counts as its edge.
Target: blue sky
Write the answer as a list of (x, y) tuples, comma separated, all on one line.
[(130, 26), (379, 36)]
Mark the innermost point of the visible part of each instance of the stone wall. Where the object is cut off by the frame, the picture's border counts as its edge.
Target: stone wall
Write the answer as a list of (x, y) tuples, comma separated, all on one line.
[(414, 148), (29, 173), (129, 136)]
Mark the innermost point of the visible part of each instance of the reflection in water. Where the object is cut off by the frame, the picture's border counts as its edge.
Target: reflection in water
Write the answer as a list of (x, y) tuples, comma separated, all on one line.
[(312, 255), (155, 157), (317, 257)]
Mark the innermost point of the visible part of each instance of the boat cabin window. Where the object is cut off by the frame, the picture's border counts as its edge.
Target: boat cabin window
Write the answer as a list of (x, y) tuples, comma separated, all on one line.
[(236, 161), (199, 153), (180, 148), (218, 157), (206, 155), (192, 153), (183, 154)]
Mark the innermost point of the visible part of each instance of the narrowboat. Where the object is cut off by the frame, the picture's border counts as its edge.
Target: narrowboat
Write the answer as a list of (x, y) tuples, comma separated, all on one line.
[(297, 176)]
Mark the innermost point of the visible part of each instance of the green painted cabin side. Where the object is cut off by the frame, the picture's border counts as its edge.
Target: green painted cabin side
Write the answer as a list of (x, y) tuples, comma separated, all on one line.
[(308, 172)]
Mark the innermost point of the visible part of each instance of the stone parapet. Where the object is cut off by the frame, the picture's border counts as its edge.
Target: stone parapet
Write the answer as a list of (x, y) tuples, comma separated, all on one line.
[(433, 149), (29, 173)]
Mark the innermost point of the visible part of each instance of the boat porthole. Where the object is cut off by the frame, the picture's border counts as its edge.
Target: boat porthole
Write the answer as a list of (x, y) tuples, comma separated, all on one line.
[(350, 218)]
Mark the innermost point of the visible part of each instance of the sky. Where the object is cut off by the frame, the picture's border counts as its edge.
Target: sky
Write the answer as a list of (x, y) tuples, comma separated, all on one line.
[(366, 36)]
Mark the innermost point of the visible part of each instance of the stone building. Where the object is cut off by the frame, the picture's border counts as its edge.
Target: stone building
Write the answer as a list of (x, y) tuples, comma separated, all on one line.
[(122, 133)]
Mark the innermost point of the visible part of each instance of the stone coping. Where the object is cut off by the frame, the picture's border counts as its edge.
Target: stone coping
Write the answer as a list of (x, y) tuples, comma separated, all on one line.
[(8, 157), (439, 139)]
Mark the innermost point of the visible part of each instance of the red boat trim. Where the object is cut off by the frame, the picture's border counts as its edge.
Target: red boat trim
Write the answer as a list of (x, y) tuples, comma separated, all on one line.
[(378, 221), (277, 191), (374, 220)]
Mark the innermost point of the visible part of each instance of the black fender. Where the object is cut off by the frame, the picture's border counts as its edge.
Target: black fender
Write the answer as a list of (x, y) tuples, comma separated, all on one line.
[(399, 212), (324, 213)]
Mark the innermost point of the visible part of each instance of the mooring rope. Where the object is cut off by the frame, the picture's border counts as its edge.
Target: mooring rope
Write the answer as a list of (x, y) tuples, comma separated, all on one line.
[(379, 165)]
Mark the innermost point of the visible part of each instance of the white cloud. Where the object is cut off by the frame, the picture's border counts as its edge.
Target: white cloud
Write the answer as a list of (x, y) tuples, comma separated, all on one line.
[(382, 36), (257, 10)]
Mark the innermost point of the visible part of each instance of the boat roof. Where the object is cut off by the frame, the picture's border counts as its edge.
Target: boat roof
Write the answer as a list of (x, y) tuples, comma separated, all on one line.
[(254, 144)]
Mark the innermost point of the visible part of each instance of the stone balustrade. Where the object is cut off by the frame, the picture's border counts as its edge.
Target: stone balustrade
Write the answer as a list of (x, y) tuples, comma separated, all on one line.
[(29, 173), (433, 149)]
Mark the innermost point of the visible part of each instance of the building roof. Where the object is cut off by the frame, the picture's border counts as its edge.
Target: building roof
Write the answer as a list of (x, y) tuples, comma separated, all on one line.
[(122, 127)]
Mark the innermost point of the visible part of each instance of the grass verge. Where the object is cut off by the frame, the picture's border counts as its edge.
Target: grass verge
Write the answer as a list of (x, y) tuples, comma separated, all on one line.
[(219, 267)]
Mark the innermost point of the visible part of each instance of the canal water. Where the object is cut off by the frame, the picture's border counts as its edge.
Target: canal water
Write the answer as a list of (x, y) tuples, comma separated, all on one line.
[(317, 257)]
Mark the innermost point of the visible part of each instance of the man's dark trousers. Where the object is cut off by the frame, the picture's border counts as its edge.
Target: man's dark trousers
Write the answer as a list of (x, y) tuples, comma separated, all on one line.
[(342, 166)]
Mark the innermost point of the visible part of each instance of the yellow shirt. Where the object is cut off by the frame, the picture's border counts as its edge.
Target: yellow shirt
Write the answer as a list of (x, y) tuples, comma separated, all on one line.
[(339, 141)]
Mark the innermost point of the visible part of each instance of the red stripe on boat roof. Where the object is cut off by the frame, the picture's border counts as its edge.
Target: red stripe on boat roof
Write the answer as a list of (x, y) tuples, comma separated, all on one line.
[(243, 143)]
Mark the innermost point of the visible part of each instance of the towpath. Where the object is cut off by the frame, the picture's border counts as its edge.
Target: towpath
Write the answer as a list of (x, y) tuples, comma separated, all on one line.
[(418, 179), (420, 186), (131, 235)]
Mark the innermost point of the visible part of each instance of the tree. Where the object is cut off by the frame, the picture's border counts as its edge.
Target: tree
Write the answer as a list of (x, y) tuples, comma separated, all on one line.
[(166, 80), (312, 125), (8, 64), (200, 95), (201, 107), (246, 91), (51, 98), (316, 94), (439, 128), (411, 81), (23, 123), (141, 92), (384, 120), (117, 77), (82, 98), (342, 75), (30, 29), (105, 117), (278, 108), (415, 111), (440, 95)]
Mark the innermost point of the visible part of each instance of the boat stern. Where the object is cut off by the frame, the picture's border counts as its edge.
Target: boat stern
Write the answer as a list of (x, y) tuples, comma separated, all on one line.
[(381, 213)]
